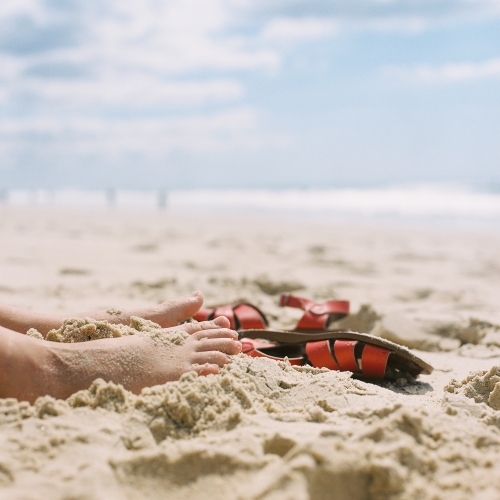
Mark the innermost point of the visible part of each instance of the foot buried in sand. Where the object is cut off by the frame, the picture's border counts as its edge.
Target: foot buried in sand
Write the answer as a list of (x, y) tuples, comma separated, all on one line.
[(167, 314), (30, 367)]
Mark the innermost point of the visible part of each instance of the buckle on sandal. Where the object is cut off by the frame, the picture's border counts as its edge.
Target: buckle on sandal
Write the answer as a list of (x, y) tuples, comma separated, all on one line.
[(317, 309)]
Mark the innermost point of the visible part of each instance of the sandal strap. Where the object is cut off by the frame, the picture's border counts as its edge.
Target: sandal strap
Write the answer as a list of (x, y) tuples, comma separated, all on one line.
[(288, 300), (320, 355), (203, 314), (241, 316), (345, 354), (311, 321), (249, 317), (226, 311), (343, 358), (316, 308), (316, 315), (374, 361)]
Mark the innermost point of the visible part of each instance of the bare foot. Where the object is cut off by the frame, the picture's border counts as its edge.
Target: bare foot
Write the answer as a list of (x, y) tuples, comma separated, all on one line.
[(169, 313), (205, 351), (30, 368)]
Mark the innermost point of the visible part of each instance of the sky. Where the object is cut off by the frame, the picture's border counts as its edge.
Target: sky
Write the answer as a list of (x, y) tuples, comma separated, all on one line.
[(182, 94)]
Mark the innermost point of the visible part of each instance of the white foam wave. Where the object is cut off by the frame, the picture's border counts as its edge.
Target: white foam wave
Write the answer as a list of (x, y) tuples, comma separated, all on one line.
[(404, 201)]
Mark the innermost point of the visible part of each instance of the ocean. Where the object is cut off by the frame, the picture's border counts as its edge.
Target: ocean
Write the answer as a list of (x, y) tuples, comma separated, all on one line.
[(426, 202)]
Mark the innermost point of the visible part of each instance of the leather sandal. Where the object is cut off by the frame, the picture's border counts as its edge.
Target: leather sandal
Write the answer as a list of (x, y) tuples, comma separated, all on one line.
[(317, 316), (366, 356), (241, 315)]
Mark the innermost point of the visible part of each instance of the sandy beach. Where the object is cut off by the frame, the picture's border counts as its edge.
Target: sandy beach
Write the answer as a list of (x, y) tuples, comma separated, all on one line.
[(261, 429)]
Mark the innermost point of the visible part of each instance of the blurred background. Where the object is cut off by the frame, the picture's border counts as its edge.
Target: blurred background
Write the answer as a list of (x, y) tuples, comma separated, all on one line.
[(378, 106)]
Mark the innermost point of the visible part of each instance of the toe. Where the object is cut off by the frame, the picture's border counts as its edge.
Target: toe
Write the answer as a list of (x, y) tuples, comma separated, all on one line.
[(193, 328), (213, 333), (177, 310), (228, 346), (222, 321), (187, 307), (207, 369), (211, 357)]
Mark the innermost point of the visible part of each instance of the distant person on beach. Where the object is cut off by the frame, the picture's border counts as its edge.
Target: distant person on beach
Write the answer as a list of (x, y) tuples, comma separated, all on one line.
[(30, 367)]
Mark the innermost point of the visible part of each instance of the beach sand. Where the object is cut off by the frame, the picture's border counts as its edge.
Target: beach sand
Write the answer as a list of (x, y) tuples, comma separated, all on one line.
[(262, 429)]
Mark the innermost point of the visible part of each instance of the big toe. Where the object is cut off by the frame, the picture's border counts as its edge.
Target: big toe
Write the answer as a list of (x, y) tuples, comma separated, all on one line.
[(184, 307), (222, 321), (207, 369)]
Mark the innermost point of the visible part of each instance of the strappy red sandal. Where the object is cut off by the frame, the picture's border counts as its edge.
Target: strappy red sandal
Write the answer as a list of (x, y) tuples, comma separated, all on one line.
[(241, 316), (368, 357), (317, 316), (365, 355)]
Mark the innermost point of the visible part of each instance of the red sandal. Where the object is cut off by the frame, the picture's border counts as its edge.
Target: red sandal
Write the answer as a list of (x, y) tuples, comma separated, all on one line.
[(310, 343), (241, 316), (317, 316), (366, 356)]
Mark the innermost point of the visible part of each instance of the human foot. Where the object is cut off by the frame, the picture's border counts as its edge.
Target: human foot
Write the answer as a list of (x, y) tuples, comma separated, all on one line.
[(205, 351), (149, 361), (166, 314), (30, 368)]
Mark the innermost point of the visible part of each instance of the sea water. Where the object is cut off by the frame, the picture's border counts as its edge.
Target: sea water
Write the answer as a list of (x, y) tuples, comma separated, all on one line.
[(421, 201)]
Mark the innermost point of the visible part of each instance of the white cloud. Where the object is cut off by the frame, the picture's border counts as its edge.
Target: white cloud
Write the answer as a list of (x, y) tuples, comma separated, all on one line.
[(401, 16), (176, 37), (66, 64), (459, 72), (150, 137), (127, 53), (446, 73), (15, 7), (398, 15), (402, 24), (130, 92), (10, 67), (289, 30)]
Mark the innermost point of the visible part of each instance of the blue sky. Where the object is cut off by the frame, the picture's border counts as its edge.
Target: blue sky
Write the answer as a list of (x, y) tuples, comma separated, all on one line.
[(239, 93)]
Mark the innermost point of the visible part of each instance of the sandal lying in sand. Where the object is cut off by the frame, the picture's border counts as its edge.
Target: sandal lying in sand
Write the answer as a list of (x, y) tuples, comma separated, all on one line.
[(240, 315), (317, 316), (363, 354)]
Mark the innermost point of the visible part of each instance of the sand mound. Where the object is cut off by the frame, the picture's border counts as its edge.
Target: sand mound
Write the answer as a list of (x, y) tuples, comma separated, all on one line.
[(87, 329), (258, 430), (483, 387)]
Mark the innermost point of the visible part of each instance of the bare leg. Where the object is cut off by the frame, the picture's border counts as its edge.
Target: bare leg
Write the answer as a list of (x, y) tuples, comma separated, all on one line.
[(166, 314), (4, 330), (30, 368)]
